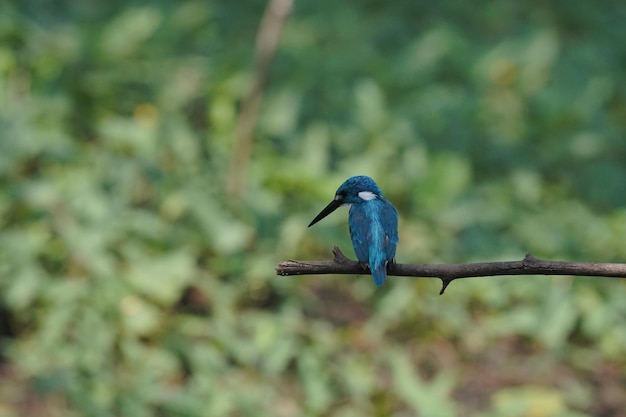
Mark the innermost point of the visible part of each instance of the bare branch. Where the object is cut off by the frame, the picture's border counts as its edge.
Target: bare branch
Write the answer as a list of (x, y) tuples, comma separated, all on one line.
[(268, 39), (449, 272)]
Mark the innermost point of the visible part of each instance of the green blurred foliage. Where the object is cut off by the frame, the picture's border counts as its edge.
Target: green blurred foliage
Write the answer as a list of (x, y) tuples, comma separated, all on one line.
[(132, 286)]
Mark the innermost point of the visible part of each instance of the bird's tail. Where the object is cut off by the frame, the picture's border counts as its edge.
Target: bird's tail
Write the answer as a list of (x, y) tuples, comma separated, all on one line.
[(379, 273)]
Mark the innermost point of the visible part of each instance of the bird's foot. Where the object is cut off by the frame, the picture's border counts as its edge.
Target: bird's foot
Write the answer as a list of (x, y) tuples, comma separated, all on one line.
[(364, 265)]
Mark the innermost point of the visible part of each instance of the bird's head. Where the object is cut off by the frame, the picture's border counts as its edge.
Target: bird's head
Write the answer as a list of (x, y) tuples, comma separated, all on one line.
[(355, 190)]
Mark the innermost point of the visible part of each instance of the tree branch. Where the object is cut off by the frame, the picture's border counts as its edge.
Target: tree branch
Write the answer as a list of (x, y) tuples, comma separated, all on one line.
[(449, 272), (268, 39)]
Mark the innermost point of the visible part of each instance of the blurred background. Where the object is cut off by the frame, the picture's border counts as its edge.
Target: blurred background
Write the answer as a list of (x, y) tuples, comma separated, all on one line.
[(139, 238)]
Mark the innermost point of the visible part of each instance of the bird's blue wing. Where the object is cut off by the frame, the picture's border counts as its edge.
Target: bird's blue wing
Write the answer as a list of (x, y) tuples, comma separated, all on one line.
[(389, 222), (360, 232), (374, 233), (383, 250)]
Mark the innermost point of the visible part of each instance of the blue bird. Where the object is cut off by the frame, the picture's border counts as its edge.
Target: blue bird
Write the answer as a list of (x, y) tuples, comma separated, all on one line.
[(373, 223)]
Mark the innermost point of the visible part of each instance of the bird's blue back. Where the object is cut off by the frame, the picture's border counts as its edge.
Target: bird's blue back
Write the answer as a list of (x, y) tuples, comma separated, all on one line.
[(374, 233)]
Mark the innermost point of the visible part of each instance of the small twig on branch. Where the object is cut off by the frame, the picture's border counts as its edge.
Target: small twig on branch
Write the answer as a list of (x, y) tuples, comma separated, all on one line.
[(449, 272)]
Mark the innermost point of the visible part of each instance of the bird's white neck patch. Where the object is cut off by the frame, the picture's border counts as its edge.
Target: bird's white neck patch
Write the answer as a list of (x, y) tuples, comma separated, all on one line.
[(367, 195)]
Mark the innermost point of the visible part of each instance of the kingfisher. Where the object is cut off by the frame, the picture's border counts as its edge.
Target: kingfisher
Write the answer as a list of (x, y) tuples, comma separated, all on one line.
[(373, 223)]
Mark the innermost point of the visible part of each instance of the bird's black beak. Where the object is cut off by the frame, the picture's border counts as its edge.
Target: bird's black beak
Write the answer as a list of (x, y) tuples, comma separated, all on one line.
[(332, 206)]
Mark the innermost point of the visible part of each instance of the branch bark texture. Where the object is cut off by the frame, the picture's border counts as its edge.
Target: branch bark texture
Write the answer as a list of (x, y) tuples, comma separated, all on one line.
[(449, 272)]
